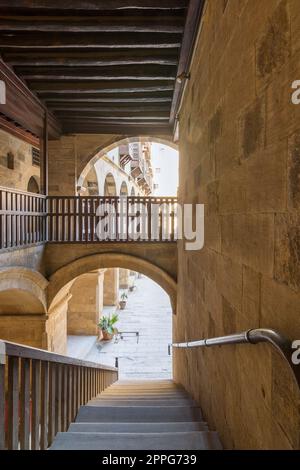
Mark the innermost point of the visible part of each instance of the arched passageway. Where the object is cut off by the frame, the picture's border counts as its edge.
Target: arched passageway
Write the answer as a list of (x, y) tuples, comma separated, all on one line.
[(124, 189), (86, 264), (87, 164), (110, 185)]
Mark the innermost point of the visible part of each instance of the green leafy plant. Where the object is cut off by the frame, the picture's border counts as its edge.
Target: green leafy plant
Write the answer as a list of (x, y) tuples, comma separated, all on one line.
[(107, 323), (124, 296)]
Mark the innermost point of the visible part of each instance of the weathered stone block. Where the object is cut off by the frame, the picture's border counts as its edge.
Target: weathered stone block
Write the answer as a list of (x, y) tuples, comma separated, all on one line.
[(252, 125), (273, 49), (280, 308), (294, 172), (287, 249), (249, 239)]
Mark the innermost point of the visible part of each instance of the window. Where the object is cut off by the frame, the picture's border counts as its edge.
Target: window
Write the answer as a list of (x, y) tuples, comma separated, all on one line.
[(10, 161), (36, 160)]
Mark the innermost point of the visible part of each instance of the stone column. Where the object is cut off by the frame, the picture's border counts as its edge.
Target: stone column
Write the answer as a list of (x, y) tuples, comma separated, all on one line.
[(124, 278), (85, 307), (111, 286)]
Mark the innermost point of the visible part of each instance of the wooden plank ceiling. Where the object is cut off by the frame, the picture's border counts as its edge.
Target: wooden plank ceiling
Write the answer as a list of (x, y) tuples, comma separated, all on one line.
[(101, 66)]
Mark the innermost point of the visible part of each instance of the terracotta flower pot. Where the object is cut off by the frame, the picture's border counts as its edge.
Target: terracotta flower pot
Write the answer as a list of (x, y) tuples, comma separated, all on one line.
[(106, 336)]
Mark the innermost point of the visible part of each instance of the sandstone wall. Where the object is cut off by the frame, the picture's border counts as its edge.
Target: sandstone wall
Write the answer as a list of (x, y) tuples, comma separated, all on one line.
[(239, 154), (21, 151)]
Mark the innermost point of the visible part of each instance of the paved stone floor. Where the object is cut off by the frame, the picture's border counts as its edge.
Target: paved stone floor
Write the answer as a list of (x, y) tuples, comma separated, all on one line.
[(148, 311)]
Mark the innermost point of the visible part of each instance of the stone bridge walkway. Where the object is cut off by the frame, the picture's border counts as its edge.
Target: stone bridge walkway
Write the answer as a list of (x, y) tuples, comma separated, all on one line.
[(148, 311)]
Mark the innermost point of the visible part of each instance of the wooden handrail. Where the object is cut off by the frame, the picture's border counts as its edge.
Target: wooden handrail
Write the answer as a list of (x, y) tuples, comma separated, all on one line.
[(41, 392)]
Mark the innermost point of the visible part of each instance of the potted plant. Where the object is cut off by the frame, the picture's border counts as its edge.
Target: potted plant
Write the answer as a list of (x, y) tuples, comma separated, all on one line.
[(123, 301), (132, 288), (106, 325)]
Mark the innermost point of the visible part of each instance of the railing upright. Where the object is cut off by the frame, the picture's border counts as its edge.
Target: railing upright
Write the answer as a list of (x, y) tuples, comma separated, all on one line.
[(41, 392)]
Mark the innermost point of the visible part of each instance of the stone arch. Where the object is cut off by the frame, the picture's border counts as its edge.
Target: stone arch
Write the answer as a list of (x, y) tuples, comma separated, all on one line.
[(65, 275), (110, 188), (124, 189), (22, 291), (100, 151)]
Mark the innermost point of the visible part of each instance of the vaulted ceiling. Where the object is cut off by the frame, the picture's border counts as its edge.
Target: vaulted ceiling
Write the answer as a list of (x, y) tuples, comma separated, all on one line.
[(102, 66)]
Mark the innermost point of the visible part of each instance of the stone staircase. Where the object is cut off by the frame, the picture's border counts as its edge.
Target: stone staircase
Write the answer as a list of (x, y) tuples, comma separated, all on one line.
[(139, 415)]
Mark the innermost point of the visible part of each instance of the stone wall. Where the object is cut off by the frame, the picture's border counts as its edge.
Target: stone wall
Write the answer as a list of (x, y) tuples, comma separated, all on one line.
[(19, 152), (111, 287), (68, 157), (239, 155)]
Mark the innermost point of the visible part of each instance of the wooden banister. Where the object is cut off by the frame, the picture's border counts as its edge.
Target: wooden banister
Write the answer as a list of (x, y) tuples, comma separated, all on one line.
[(41, 392), (28, 218)]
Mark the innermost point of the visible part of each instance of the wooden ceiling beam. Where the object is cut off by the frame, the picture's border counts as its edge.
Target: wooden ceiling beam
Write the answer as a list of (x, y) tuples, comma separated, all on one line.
[(133, 72), (129, 86), (35, 40), (103, 58), (115, 120), (74, 101), (98, 24), (191, 28), (108, 115), (100, 107), (111, 128), (69, 5)]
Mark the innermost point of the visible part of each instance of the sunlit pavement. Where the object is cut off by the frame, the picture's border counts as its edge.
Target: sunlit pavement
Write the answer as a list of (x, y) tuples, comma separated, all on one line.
[(148, 312)]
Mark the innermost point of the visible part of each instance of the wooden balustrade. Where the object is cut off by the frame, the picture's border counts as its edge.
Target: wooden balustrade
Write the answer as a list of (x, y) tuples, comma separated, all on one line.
[(22, 218), (92, 219), (27, 218), (40, 393)]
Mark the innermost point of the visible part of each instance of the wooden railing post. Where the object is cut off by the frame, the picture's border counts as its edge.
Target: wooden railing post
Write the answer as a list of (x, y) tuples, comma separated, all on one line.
[(44, 404), (47, 387), (36, 401), (13, 403), (58, 389), (64, 398), (2, 394), (51, 421), (25, 404)]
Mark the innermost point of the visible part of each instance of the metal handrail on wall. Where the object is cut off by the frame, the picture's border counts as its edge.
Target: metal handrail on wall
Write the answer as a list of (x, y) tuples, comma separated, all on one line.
[(41, 392), (254, 336)]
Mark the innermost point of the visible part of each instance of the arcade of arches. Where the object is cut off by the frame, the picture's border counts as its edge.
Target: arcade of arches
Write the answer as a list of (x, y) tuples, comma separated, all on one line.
[(238, 137)]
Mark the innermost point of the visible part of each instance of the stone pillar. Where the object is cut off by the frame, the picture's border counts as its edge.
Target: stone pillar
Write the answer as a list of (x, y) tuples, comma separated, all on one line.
[(56, 326), (124, 278), (86, 304), (111, 286)]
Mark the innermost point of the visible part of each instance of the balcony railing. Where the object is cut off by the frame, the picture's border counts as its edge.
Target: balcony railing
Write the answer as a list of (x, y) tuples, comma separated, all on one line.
[(41, 392), (104, 219), (22, 218), (27, 218)]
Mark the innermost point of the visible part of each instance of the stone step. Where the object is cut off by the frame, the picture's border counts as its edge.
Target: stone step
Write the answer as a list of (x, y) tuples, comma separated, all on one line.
[(138, 427), (142, 402), (142, 394), (139, 414), (194, 440)]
